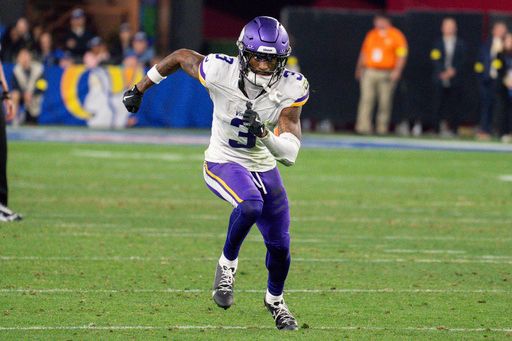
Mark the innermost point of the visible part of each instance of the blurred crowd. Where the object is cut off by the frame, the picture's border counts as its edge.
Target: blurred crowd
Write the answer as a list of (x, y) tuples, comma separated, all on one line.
[(381, 63), (379, 68), (31, 49), (75, 44)]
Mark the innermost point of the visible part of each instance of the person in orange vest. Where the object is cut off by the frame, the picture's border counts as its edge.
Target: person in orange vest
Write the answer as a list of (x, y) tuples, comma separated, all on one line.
[(379, 68)]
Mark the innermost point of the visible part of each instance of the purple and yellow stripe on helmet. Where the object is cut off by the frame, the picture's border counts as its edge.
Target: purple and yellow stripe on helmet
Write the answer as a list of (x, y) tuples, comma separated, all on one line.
[(301, 101), (201, 74)]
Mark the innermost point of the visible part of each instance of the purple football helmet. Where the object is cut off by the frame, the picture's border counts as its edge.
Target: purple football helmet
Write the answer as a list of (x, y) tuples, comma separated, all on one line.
[(264, 38)]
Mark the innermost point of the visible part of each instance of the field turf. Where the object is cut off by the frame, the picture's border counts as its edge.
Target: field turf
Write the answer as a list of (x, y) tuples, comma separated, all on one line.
[(121, 241)]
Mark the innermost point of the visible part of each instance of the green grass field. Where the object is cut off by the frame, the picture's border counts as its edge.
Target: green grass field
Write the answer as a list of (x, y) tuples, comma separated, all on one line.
[(121, 242)]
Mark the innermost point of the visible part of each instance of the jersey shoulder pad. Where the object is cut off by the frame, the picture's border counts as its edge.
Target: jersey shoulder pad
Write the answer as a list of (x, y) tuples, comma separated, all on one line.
[(295, 87), (214, 66)]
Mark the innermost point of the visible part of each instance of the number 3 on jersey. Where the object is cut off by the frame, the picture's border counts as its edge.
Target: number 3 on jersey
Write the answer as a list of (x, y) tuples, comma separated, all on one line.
[(225, 58), (251, 139)]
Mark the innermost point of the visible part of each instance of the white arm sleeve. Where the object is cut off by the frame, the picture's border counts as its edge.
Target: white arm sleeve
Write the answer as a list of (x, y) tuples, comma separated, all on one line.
[(284, 147), (155, 76)]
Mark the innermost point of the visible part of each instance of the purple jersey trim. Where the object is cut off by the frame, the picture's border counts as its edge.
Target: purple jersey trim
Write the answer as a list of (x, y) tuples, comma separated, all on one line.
[(302, 98), (201, 71)]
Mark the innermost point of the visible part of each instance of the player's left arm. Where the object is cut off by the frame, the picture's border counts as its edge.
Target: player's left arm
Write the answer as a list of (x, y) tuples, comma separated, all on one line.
[(289, 121), (285, 146)]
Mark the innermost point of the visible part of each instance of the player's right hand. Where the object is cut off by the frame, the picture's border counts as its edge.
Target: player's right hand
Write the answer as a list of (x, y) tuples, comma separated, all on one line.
[(132, 99)]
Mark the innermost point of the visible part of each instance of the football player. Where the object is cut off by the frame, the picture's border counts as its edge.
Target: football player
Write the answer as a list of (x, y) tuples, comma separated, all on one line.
[(256, 109)]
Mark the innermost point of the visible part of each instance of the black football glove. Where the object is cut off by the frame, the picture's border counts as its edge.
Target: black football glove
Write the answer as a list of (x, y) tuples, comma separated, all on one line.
[(253, 122), (132, 99)]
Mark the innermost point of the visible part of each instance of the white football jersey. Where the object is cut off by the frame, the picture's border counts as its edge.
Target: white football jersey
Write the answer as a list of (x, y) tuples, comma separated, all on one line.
[(230, 140)]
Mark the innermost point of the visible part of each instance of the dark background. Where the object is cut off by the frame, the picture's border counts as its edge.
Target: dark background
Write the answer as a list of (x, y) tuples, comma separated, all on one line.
[(326, 38), (327, 43)]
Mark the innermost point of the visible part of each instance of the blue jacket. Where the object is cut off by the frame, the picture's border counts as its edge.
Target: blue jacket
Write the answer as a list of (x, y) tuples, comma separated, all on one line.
[(485, 62), (506, 60)]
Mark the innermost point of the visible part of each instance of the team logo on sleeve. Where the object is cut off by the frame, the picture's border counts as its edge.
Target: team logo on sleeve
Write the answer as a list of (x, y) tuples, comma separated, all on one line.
[(305, 84)]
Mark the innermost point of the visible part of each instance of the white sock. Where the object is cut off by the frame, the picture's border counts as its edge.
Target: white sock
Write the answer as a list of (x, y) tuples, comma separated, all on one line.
[(223, 261), (271, 299)]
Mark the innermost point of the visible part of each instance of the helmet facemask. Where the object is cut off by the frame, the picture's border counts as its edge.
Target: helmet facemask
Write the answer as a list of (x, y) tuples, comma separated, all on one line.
[(261, 78)]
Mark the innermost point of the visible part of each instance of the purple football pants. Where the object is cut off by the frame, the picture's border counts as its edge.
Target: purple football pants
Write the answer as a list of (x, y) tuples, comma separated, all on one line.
[(257, 197)]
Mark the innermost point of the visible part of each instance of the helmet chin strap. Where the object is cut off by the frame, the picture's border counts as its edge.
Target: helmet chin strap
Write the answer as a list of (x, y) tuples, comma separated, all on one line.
[(273, 94), (258, 80)]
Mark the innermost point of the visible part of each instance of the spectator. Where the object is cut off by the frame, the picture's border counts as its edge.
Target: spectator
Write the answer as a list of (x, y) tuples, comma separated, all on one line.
[(487, 67), (448, 57), (292, 64), (23, 29), (379, 68), (9, 44), (121, 44), (45, 52), (157, 58), (133, 72), (37, 30), (505, 90), (78, 36), (66, 60), (141, 48), (99, 50), (6, 214), (18, 37), (27, 89)]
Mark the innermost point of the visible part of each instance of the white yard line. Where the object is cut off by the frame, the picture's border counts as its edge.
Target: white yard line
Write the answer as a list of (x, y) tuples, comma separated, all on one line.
[(507, 177), (417, 213), (101, 259), (105, 154), (258, 291), (126, 233), (308, 219), (114, 230), (256, 327), (472, 260), (496, 257), (442, 238), (424, 251)]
